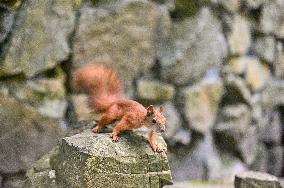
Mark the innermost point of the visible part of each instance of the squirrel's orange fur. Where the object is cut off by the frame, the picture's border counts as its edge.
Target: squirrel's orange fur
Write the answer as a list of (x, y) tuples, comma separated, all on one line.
[(106, 97)]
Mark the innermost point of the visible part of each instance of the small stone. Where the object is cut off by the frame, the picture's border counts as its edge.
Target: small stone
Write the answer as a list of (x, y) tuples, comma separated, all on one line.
[(272, 20), (265, 48), (252, 179), (155, 90), (239, 38), (257, 74), (200, 104), (51, 174)]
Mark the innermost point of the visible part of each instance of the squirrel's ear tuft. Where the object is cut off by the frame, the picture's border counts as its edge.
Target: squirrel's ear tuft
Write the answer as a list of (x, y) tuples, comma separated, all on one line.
[(150, 110), (161, 109)]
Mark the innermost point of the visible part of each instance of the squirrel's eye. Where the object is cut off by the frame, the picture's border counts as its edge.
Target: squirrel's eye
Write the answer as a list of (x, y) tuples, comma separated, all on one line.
[(154, 121)]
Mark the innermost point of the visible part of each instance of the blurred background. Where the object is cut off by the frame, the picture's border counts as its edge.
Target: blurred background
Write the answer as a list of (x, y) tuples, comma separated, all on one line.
[(217, 67)]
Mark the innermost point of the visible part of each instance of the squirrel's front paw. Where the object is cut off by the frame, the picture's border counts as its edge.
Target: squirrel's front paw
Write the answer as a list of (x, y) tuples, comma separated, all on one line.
[(114, 137), (96, 129), (159, 148)]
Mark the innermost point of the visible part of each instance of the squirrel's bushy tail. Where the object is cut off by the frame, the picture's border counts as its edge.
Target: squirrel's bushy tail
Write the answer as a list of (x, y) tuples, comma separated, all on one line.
[(100, 83)]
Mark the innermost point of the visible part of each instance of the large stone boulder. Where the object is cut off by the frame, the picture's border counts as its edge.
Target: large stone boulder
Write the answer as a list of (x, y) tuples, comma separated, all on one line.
[(252, 179), (119, 35), (93, 160), (194, 46), (25, 135), (39, 40), (200, 103)]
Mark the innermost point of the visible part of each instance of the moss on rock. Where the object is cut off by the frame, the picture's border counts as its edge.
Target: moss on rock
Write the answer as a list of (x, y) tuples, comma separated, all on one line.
[(93, 160)]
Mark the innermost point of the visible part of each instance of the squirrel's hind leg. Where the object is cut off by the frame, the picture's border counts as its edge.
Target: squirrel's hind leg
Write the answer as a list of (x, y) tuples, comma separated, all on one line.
[(108, 117)]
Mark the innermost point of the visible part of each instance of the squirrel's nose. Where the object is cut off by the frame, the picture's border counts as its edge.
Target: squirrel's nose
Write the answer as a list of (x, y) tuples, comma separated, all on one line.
[(162, 130)]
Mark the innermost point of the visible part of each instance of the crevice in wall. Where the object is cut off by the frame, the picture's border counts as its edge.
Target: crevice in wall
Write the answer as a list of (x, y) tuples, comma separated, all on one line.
[(67, 67)]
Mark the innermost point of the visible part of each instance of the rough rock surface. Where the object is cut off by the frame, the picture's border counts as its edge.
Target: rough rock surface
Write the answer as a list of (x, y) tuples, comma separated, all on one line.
[(272, 132), (254, 4), (273, 95), (257, 74), (39, 40), (272, 18), (265, 48), (275, 160), (280, 61), (25, 135), (175, 133), (239, 38), (241, 73), (6, 21), (14, 182), (235, 133), (46, 95), (130, 30), (154, 90), (196, 45), (252, 179), (236, 89), (230, 5), (200, 103), (93, 160)]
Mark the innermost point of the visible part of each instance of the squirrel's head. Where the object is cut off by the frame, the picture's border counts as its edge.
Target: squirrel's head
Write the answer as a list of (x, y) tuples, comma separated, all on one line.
[(156, 118)]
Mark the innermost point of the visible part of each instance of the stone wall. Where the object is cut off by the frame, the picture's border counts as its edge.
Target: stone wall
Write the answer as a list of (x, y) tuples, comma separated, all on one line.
[(217, 66)]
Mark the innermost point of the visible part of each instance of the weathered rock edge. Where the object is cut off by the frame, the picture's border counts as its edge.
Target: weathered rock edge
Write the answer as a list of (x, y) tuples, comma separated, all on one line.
[(253, 179)]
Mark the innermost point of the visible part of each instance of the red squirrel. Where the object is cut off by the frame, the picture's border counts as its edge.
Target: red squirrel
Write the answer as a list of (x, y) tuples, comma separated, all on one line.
[(106, 96)]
